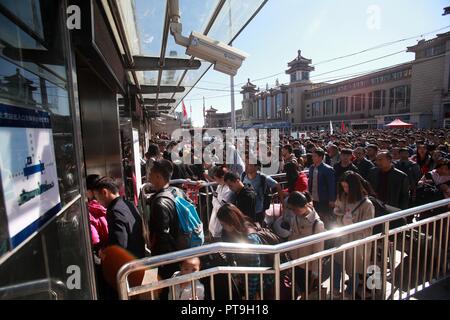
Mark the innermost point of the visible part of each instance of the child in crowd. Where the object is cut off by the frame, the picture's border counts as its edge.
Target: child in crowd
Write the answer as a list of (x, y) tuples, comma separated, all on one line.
[(184, 290)]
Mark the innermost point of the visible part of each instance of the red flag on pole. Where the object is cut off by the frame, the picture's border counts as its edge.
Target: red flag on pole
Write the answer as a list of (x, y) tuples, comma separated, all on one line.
[(342, 126), (184, 110)]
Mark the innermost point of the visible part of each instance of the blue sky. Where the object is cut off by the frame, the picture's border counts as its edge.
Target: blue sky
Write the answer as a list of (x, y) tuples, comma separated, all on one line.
[(322, 29)]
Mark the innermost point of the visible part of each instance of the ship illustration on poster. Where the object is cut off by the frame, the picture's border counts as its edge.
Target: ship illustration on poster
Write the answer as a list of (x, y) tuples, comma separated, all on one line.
[(31, 169), (26, 196)]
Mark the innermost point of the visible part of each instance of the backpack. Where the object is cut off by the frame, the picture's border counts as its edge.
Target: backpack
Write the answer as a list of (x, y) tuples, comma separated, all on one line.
[(190, 226), (266, 190), (267, 236)]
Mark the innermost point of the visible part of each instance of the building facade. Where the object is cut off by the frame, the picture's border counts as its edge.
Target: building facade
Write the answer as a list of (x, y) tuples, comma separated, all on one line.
[(415, 92), (213, 119)]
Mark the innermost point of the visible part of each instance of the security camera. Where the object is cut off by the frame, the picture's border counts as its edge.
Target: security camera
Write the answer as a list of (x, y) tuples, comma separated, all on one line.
[(225, 58)]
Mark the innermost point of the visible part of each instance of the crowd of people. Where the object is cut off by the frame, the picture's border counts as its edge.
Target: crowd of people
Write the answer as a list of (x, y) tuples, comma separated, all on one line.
[(331, 181)]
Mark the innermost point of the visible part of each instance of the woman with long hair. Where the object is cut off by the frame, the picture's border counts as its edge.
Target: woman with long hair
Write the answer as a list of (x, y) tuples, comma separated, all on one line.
[(423, 158), (240, 229), (352, 206), (222, 195), (296, 180)]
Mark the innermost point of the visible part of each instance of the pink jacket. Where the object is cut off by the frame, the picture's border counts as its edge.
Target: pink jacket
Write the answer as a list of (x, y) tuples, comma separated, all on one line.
[(98, 224)]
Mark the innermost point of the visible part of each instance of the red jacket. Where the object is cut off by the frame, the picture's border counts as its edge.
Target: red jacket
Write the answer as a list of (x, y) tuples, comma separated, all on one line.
[(98, 224), (301, 184)]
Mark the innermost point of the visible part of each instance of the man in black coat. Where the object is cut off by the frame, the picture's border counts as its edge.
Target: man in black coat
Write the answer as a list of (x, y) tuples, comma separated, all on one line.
[(345, 164), (362, 163), (390, 184), (125, 227), (245, 196)]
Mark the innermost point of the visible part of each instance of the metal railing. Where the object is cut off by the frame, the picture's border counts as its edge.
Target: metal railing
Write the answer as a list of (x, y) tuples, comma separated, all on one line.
[(397, 263)]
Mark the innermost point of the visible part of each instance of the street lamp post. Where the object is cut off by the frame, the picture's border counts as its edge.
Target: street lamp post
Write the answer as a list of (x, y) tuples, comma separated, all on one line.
[(288, 112)]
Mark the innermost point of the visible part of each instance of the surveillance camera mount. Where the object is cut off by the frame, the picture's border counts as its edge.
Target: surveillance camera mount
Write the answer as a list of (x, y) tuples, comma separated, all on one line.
[(225, 58)]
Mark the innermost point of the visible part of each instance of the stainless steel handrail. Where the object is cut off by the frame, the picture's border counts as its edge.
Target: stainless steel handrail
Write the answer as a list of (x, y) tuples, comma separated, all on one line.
[(263, 249)]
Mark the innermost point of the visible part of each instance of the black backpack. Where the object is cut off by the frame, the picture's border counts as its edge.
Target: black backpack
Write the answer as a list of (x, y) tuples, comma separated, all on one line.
[(266, 190)]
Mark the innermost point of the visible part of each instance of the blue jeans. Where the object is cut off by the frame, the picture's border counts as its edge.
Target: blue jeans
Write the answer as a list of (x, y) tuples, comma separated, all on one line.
[(337, 276)]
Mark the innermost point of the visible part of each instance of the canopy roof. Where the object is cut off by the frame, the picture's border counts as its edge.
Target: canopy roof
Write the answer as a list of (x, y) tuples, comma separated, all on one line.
[(397, 123), (161, 65)]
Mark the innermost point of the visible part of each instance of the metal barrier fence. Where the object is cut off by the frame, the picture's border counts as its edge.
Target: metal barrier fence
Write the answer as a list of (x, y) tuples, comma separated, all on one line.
[(396, 263)]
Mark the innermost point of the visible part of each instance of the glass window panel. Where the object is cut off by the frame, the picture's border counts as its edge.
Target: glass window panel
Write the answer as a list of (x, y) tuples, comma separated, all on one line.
[(28, 11), (30, 84)]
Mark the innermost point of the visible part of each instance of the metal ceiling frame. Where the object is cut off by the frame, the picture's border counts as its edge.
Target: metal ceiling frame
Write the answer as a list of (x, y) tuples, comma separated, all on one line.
[(172, 64), (207, 29)]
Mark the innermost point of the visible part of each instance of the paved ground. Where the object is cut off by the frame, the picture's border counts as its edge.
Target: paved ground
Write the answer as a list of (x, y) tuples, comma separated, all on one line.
[(438, 291)]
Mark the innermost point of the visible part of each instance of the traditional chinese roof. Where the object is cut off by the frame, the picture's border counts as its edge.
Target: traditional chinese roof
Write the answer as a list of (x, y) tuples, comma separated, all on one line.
[(211, 109), (249, 87), (299, 63)]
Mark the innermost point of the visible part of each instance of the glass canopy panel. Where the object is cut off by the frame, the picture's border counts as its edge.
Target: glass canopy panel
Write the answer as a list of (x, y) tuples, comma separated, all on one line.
[(171, 77), (236, 11), (150, 78), (149, 24)]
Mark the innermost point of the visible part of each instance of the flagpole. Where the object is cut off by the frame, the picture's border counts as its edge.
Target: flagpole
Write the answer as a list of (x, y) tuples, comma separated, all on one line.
[(204, 118)]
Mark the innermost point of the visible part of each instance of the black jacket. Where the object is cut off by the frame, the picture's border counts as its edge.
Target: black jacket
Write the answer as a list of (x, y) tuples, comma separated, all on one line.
[(246, 202), (339, 170), (125, 227), (163, 224), (397, 187), (364, 166), (412, 169)]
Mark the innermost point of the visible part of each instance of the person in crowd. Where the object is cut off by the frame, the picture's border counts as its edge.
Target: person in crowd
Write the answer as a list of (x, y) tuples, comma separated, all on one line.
[(345, 164), (222, 195), (333, 155), (411, 169), (298, 149), (153, 154), (322, 186), (352, 206), (362, 163), (288, 156), (184, 290), (423, 158), (439, 177), (242, 230), (244, 196), (372, 151), (402, 144), (233, 158), (97, 216), (125, 227), (99, 235), (296, 180), (304, 222), (261, 184), (163, 224), (395, 151), (390, 184)]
